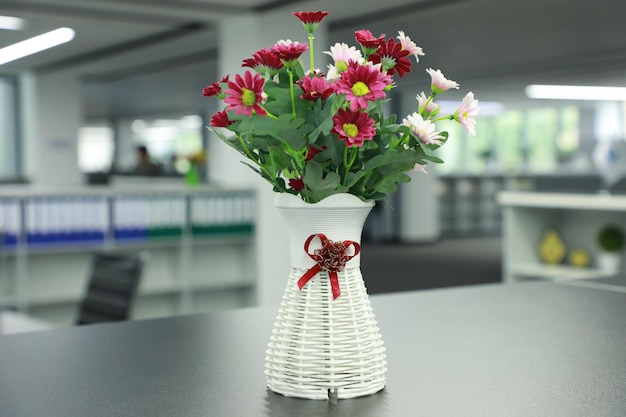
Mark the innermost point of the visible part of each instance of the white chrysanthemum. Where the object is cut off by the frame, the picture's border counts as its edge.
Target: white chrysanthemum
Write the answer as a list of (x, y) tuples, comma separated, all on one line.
[(424, 129), (467, 112), (288, 42), (439, 83), (341, 54), (409, 45), (425, 107)]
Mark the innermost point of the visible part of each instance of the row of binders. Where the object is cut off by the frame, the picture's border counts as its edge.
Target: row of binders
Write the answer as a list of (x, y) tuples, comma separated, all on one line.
[(79, 219)]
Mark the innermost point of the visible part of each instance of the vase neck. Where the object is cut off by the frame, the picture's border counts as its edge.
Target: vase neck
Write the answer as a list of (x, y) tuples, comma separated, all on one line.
[(336, 223)]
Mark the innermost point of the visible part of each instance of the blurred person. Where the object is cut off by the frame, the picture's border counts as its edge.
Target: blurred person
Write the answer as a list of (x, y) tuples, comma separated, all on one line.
[(145, 166)]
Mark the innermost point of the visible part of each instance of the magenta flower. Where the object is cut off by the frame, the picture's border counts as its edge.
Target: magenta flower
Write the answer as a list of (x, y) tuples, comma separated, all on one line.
[(310, 20), (315, 87), (289, 51), (392, 57), (215, 89), (367, 40), (362, 84), (220, 119), (353, 127), (245, 93), (264, 61), (212, 90), (296, 184), (313, 151)]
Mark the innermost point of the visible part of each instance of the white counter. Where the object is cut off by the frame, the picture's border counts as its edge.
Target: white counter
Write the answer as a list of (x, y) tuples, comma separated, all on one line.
[(563, 201)]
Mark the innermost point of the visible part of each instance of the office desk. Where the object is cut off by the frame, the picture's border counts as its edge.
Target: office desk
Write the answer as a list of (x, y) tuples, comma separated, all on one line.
[(527, 349)]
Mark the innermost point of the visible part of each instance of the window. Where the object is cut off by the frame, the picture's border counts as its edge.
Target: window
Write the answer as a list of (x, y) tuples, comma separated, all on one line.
[(9, 150), (95, 148), (166, 139), (539, 140)]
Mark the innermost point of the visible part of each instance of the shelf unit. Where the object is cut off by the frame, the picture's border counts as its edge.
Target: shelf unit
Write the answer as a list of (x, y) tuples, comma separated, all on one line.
[(198, 243), (467, 203), (576, 217)]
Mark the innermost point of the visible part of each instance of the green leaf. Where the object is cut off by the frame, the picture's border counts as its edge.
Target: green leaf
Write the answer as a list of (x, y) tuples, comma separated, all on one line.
[(290, 131), (314, 177), (321, 116)]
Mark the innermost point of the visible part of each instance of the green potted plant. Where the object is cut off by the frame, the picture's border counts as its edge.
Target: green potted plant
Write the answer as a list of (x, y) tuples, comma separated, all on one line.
[(610, 240)]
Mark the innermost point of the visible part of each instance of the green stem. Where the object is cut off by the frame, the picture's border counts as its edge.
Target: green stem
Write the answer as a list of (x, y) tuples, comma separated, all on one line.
[(252, 157), (348, 163), (311, 37), (450, 117), (269, 114), (423, 108), (291, 95), (402, 139)]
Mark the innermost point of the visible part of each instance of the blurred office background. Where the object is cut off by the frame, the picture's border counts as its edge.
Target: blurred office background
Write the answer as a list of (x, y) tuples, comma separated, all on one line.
[(134, 71)]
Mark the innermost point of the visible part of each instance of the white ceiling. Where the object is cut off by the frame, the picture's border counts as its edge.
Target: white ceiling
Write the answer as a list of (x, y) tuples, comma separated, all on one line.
[(142, 56)]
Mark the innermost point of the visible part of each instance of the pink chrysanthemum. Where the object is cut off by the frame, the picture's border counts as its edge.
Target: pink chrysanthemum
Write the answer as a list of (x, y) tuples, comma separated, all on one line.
[(245, 93), (289, 51), (220, 119), (424, 129), (467, 112), (315, 87), (392, 57), (362, 84), (366, 39), (264, 61), (353, 127), (311, 20), (439, 83), (212, 90), (410, 46)]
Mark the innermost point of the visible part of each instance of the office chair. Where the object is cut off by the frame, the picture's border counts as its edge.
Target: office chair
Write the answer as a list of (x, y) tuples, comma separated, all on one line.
[(111, 288)]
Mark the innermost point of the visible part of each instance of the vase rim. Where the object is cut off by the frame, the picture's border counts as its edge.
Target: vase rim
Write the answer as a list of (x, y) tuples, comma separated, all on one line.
[(288, 200)]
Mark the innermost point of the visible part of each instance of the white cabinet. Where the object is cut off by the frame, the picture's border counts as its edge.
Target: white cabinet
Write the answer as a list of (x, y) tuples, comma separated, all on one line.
[(199, 245), (576, 217)]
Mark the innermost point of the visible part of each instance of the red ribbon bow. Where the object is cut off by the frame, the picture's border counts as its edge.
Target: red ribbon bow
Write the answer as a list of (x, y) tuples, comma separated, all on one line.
[(331, 257)]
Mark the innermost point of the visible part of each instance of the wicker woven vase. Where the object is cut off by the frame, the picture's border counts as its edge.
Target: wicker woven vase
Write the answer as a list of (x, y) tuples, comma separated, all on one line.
[(325, 345)]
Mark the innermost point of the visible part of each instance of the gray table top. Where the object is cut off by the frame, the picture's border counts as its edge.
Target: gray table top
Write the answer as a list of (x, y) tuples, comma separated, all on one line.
[(528, 349)]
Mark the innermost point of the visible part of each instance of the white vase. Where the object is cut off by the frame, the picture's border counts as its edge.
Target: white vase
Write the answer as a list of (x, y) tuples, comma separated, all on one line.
[(609, 261), (325, 345)]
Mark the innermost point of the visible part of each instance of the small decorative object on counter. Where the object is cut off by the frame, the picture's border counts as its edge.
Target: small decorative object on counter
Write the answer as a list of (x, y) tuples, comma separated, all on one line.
[(610, 241), (579, 257), (552, 248)]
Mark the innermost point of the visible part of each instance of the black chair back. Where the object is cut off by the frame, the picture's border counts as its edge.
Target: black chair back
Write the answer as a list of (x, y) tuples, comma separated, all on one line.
[(111, 288)]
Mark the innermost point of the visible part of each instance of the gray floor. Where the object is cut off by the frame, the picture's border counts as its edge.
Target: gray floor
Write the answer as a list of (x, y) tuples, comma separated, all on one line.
[(447, 262)]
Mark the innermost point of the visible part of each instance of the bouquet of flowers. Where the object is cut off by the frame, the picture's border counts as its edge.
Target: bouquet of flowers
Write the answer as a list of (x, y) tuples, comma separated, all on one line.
[(315, 134)]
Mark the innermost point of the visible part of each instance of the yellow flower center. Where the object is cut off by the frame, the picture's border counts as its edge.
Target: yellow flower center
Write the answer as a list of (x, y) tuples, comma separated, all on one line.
[(351, 129), (248, 98), (359, 89)]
